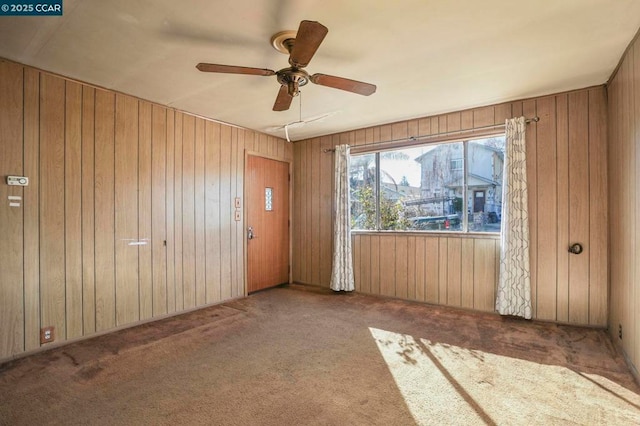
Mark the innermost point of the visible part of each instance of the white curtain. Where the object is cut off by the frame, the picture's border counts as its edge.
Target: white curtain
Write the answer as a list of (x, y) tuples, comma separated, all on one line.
[(514, 284), (342, 271)]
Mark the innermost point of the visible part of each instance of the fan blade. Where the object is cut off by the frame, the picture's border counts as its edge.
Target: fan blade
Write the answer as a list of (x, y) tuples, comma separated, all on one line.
[(230, 69), (308, 38), (283, 100), (341, 83)]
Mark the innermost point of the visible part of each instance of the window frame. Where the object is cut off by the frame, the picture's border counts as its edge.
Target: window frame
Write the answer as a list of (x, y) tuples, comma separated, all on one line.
[(465, 187)]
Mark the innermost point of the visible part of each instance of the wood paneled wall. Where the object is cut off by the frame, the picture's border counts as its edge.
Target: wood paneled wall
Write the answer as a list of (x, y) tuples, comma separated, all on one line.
[(128, 215), (567, 203), (624, 204)]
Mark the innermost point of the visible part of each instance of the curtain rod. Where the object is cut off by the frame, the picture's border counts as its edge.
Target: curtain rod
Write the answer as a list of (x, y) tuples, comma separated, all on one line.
[(417, 138)]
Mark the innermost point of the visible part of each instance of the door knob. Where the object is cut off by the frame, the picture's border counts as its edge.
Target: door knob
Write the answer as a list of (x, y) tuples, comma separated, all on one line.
[(250, 235), (575, 248)]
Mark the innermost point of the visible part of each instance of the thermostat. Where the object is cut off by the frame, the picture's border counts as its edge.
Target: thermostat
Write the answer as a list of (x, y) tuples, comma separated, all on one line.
[(18, 180)]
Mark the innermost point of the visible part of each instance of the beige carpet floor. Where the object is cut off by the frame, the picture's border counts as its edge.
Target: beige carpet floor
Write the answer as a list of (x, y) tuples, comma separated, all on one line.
[(304, 356)]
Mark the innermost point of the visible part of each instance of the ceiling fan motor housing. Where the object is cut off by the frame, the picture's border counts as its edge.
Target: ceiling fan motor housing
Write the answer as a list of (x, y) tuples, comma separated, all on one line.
[(301, 45), (293, 78)]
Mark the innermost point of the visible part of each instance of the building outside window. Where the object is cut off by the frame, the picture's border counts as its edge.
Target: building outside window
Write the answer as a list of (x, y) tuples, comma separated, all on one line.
[(453, 186)]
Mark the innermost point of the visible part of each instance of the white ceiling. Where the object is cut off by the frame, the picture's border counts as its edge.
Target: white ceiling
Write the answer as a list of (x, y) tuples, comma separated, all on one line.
[(425, 56)]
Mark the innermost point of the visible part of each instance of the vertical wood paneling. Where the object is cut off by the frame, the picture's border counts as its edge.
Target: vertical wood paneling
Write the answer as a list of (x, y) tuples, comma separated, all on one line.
[(212, 208), (385, 132), (442, 123), (598, 217), (170, 200), (634, 301), (188, 210), (375, 264), (88, 211), (51, 120), (563, 208), (297, 208), (579, 203), (52, 220), (315, 211), (483, 116), (424, 126), (454, 265), (226, 145), (31, 202), (432, 266), (239, 225), (178, 209), (503, 112), (484, 275), (326, 222), (308, 247), (365, 262), (104, 210), (466, 277), (145, 210), (546, 164), (126, 210), (107, 174), (466, 120), (462, 270), (623, 189), (199, 229), (614, 163), (399, 130), (11, 218), (411, 268), (421, 278), (401, 276), (454, 122), (232, 194), (388, 270), (302, 218), (73, 208), (356, 259), (443, 269), (159, 209), (628, 192)]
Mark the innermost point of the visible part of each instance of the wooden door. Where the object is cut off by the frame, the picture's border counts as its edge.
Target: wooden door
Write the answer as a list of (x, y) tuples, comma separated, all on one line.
[(267, 203)]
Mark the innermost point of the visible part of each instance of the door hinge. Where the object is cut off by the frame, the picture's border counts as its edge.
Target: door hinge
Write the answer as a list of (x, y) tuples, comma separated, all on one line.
[(289, 177)]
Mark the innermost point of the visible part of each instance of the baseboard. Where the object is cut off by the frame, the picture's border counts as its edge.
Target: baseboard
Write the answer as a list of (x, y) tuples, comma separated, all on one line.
[(62, 343), (627, 360)]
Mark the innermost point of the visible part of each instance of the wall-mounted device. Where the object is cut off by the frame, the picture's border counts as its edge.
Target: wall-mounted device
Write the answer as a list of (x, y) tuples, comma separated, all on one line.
[(17, 180)]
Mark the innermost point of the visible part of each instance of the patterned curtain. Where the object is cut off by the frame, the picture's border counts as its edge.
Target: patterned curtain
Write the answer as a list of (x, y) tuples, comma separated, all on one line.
[(514, 285), (342, 271)]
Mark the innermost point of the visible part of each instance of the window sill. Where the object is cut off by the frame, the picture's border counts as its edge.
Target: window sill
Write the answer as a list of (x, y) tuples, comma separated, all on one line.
[(452, 234)]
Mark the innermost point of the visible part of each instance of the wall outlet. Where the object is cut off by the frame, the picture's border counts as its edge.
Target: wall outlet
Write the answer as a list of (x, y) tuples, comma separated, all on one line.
[(47, 334), (620, 331)]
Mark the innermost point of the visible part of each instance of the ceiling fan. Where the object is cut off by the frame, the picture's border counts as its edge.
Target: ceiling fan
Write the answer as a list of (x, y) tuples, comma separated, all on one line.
[(301, 47)]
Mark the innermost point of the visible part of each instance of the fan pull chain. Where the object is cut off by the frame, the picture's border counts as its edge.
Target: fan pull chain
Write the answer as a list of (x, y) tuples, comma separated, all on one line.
[(300, 101)]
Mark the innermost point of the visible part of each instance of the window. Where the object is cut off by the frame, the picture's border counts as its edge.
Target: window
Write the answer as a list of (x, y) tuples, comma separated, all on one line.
[(268, 199), (439, 187), (457, 164)]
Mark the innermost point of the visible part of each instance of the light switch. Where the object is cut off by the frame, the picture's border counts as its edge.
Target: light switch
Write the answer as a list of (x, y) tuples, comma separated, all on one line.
[(238, 216), (237, 201)]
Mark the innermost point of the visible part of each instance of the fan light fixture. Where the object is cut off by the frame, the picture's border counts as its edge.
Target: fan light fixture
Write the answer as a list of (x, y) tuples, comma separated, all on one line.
[(301, 46)]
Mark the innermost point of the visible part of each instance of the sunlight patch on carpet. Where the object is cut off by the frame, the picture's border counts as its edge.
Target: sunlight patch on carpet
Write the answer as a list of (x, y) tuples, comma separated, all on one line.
[(443, 383)]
